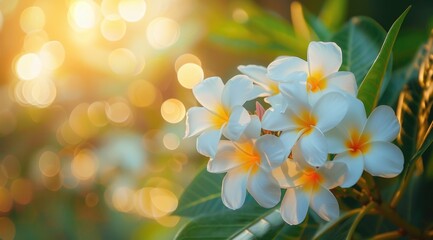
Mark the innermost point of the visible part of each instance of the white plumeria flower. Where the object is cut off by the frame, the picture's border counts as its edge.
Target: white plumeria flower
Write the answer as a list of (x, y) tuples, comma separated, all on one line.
[(222, 111), (320, 71), (265, 87), (248, 163), (308, 187), (306, 122), (363, 143)]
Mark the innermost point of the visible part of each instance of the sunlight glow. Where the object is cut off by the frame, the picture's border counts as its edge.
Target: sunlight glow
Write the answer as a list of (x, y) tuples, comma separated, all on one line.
[(32, 19), (132, 10), (173, 110), (28, 66), (163, 32), (83, 14), (189, 75)]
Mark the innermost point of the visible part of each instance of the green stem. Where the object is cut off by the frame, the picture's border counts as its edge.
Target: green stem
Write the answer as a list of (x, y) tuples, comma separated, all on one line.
[(330, 225), (396, 219), (358, 219), (403, 184)]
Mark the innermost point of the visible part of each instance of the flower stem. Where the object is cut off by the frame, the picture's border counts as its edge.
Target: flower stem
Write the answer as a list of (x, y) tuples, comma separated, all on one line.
[(396, 219), (387, 235), (358, 219)]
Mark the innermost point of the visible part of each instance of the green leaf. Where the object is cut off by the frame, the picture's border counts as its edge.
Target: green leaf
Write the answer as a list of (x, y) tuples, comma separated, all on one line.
[(333, 13), (336, 226), (369, 91), (202, 196), (360, 40), (426, 142), (319, 29)]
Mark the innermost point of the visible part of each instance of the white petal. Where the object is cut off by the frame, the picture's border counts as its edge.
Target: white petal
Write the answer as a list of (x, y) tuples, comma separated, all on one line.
[(256, 73), (254, 128), (296, 93), (198, 119), (333, 173), (234, 188), (336, 139), (382, 124), (264, 189), (294, 206), (355, 117), (289, 139), (237, 91), (324, 204), (257, 91), (286, 69), (330, 110), (324, 57), (278, 101), (207, 142), (272, 152), (383, 159), (208, 93), (227, 157), (238, 122), (355, 167), (314, 148), (275, 120), (288, 174), (344, 81)]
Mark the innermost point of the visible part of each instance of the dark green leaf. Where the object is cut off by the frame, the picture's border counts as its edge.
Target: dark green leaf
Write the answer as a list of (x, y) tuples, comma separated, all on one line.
[(369, 91), (360, 40), (336, 225), (317, 26), (202, 196)]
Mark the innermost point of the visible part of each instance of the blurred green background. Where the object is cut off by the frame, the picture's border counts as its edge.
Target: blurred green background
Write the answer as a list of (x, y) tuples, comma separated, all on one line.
[(93, 97)]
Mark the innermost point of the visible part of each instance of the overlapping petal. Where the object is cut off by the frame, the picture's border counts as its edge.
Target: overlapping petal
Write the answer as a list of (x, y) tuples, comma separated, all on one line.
[(325, 204), (333, 173), (324, 57), (384, 159), (264, 189), (288, 174), (355, 167), (344, 81), (238, 122), (330, 110), (294, 206), (198, 119), (382, 124), (226, 158), (236, 91), (234, 187), (272, 152), (207, 142), (314, 147), (208, 93), (287, 69)]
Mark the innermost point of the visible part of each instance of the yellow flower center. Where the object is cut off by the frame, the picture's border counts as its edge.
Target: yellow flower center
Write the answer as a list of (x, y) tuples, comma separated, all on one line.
[(311, 179), (358, 143), (305, 121), (248, 156), (316, 82), (274, 88), (220, 117)]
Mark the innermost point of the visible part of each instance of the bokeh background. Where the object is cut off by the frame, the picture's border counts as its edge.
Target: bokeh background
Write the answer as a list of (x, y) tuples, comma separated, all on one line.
[(93, 96)]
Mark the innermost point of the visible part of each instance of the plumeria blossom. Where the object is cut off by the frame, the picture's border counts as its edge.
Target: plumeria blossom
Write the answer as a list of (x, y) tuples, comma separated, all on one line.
[(308, 186), (306, 122), (363, 143), (265, 87), (248, 163), (222, 111), (320, 71)]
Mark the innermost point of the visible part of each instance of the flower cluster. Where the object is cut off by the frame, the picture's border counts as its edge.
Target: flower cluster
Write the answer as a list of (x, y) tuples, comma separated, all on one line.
[(313, 114)]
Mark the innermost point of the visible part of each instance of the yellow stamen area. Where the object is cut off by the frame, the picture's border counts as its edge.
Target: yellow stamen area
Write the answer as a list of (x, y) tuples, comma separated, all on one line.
[(316, 82), (306, 121), (220, 117), (311, 179), (248, 156), (358, 143), (274, 88)]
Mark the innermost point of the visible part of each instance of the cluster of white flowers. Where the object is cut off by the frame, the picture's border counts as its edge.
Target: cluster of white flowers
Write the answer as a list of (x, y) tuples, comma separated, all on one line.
[(313, 114)]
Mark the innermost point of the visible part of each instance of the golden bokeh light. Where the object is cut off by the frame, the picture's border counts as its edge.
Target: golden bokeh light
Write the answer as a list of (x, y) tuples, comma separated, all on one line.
[(153, 202), (67, 136), (164, 200), (240, 15), (52, 183), (132, 10), (109, 9), (49, 164), (142, 93), (171, 141), (32, 19), (122, 61), (186, 58), (113, 29), (162, 32), (34, 41), (92, 199), (189, 75), (96, 113), (22, 191), (168, 221), (28, 66), (6, 200), (118, 112), (173, 110), (7, 229), (52, 55), (84, 165), (80, 123), (123, 199), (82, 14)]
